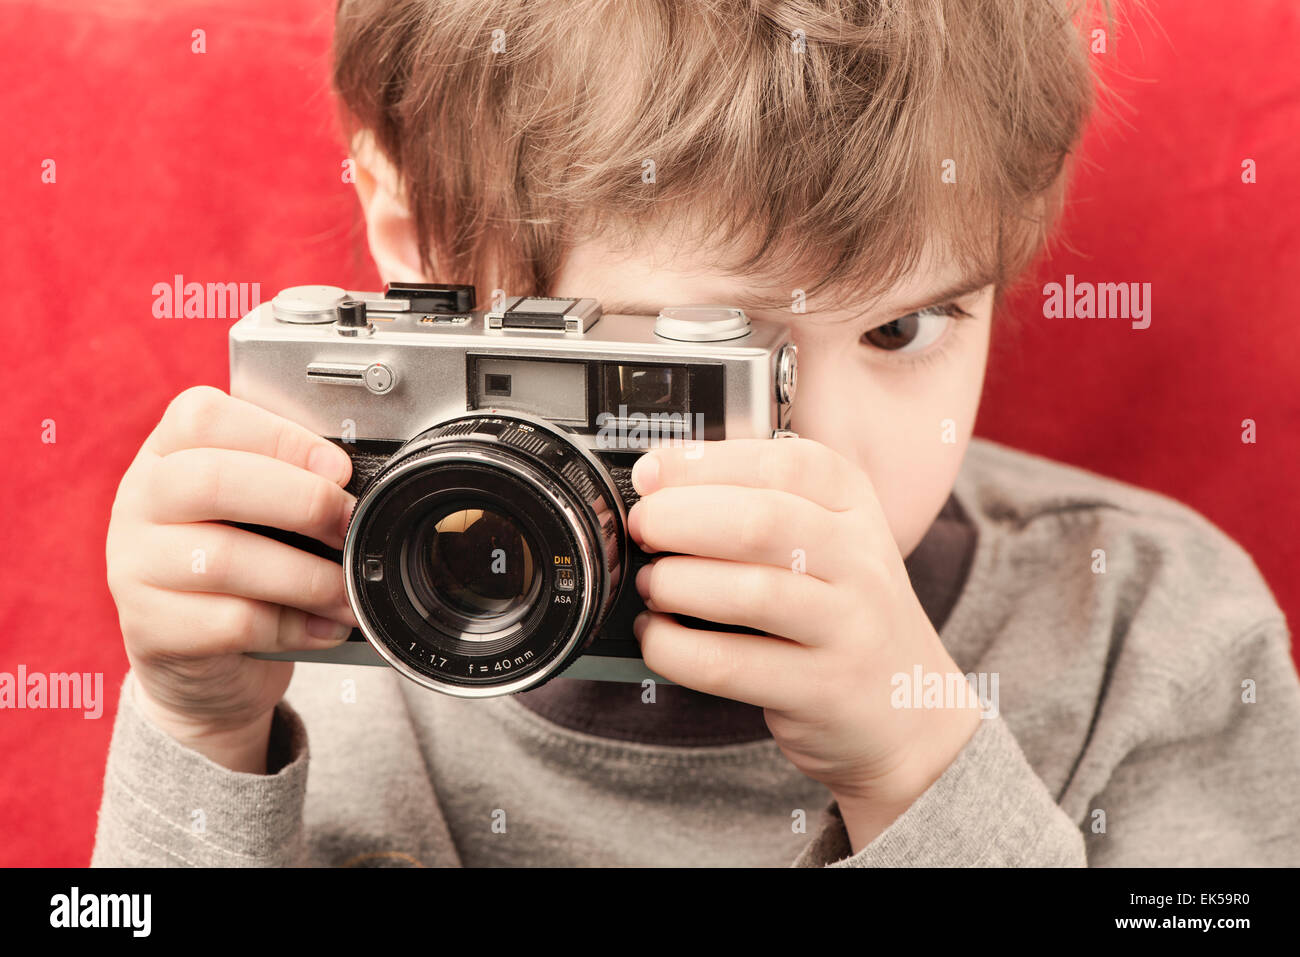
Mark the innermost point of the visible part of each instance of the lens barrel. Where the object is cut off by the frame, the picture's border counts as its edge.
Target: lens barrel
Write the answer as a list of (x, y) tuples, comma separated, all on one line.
[(483, 558)]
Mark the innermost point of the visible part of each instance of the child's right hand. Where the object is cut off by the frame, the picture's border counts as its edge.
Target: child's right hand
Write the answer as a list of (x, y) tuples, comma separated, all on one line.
[(194, 594)]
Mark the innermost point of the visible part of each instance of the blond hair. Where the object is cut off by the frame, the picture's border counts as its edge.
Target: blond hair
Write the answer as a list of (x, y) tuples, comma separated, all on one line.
[(812, 141)]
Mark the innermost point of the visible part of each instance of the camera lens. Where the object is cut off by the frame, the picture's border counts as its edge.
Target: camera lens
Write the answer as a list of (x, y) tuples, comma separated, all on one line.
[(484, 556), (471, 567)]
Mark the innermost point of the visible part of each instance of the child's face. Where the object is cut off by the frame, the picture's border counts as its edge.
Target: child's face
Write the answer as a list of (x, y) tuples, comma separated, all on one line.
[(895, 395)]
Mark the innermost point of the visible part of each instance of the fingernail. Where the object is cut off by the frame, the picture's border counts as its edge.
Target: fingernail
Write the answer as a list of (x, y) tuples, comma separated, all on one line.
[(327, 629), (645, 474), (329, 461), (633, 522)]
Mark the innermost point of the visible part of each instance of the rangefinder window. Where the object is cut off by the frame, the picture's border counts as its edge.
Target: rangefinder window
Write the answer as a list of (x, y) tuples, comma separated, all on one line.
[(552, 388)]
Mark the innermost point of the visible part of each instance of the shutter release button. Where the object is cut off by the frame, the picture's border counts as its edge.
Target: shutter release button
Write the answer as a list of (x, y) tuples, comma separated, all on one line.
[(352, 319)]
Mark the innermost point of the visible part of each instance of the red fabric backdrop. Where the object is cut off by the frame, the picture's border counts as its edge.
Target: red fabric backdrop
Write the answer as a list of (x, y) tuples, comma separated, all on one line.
[(225, 167)]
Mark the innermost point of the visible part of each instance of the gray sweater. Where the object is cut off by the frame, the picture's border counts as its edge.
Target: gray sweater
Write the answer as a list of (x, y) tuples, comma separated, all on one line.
[(1148, 714)]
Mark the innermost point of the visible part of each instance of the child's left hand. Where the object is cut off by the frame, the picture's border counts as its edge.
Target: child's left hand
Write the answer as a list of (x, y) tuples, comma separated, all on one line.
[(788, 537)]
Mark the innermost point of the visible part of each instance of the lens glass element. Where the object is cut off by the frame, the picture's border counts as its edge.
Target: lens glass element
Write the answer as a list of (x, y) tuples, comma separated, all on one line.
[(475, 563)]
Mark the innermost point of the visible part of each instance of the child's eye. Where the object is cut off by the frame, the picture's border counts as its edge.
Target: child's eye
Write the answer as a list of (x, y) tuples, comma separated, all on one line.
[(916, 331)]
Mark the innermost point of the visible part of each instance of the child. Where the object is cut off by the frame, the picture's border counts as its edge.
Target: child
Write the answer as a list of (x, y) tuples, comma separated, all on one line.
[(873, 174)]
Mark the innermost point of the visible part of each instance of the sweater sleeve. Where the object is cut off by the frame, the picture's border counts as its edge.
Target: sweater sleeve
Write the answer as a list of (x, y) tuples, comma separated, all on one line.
[(165, 805), (1208, 782), (988, 809)]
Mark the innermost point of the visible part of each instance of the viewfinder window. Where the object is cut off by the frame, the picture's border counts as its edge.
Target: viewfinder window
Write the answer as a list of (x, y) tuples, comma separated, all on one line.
[(647, 389)]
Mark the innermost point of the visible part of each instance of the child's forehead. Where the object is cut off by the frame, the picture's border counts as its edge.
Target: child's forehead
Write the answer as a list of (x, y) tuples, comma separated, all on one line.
[(641, 279)]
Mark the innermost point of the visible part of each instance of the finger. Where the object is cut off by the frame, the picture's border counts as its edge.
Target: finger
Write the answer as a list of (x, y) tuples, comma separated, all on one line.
[(205, 557), (774, 600), (204, 417), (798, 466), (750, 525), (200, 625), (757, 669), (210, 484)]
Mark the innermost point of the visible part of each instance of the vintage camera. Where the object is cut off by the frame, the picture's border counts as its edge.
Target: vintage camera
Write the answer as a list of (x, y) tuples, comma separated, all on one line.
[(492, 452)]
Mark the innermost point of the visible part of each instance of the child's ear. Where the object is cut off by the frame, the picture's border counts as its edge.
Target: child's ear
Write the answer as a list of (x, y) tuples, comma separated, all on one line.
[(390, 229)]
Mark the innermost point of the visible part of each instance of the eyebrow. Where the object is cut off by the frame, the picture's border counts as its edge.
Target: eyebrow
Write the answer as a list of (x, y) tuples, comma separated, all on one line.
[(957, 290)]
